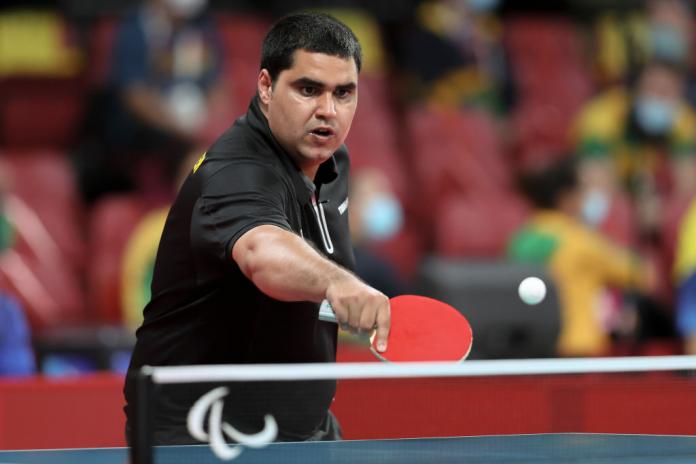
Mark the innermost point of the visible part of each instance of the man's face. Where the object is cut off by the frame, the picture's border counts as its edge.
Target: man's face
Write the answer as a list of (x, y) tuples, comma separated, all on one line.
[(310, 106)]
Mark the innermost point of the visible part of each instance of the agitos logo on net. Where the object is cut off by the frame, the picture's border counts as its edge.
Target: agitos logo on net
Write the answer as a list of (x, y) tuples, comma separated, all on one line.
[(211, 405)]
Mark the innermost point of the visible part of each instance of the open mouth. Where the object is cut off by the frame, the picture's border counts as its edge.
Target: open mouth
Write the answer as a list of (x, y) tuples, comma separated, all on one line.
[(323, 132)]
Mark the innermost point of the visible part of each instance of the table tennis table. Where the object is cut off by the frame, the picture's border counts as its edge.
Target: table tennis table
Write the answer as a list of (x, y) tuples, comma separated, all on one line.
[(500, 449)]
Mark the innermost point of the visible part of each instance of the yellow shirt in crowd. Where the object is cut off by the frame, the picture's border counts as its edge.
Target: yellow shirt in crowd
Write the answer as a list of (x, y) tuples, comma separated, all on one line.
[(583, 264)]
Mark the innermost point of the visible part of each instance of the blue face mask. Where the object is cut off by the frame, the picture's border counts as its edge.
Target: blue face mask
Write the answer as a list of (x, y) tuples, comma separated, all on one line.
[(654, 115), (382, 217), (482, 6), (595, 207), (668, 44)]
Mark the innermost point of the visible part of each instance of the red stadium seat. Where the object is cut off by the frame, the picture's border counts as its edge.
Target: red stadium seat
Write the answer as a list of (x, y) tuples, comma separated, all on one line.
[(542, 39), (552, 79), (241, 37), (46, 182), (373, 139), (456, 152), (102, 37), (40, 112), (477, 225), (110, 224), (43, 269)]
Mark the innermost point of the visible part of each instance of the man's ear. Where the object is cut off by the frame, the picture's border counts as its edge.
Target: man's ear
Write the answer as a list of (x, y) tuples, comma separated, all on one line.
[(264, 86)]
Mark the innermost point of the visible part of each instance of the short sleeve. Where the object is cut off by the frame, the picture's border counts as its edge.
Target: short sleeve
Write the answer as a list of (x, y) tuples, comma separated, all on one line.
[(236, 199)]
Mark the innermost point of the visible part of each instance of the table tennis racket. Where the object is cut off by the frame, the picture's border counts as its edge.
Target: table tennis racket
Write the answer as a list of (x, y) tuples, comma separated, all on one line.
[(422, 329)]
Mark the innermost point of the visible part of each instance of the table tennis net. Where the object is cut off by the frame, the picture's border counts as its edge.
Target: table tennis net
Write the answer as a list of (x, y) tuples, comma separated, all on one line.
[(239, 408)]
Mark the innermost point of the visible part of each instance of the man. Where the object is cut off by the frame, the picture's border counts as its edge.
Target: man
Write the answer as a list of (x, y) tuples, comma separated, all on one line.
[(258, 237)]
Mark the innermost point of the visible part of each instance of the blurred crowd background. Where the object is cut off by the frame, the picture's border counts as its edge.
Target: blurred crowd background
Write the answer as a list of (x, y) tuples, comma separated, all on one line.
[(493, 140)]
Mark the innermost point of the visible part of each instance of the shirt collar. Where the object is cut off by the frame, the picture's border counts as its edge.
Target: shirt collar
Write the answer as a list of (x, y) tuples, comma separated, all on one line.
[(327, 172)]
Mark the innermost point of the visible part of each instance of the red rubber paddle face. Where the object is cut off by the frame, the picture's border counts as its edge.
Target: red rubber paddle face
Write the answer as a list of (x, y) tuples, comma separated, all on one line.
[(424, 329)]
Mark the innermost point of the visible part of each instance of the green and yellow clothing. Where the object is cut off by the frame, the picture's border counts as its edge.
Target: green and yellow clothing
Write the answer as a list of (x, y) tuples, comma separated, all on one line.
[(476, 74), (137, 266), (685, 254), (603, 129), (583, 264), (685, 274), (622, 44)]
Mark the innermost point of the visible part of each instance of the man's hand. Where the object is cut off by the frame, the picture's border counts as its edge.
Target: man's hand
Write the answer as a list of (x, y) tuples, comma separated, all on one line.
[(360, 307)]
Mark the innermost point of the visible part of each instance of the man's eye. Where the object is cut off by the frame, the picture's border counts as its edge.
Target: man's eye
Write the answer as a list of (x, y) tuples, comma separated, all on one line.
[(308, 91), (342, 93)]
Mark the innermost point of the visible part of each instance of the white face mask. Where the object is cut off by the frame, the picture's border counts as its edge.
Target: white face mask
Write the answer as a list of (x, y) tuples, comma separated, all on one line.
[(595, 207), (187, 8), (482, 6), (656, 116), (382, 217)]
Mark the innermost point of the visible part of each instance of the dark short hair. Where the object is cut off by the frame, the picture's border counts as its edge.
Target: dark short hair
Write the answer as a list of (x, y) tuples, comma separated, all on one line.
[(544, 186), (312, 32)]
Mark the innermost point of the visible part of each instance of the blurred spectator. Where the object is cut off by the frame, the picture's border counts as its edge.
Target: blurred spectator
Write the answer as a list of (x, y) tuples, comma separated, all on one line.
[(16, 352), (451, 53), (640, 139), (685, 273), (375, 215), (164, 86), (583, 264), (627, 41)]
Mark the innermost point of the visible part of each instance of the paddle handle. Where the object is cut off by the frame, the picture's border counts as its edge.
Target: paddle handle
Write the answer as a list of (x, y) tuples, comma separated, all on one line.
[(326, 312)]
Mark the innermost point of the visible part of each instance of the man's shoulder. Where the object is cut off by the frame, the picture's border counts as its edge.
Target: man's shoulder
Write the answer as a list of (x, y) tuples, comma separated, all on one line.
[(235, 160), (242, 140)]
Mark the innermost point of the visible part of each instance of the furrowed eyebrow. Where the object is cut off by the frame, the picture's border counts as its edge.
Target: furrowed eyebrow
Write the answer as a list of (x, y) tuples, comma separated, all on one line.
[(307, 82), (350, 86)]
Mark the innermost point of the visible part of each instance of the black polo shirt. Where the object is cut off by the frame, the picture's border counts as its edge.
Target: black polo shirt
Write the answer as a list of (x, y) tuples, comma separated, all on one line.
[(205, 311)]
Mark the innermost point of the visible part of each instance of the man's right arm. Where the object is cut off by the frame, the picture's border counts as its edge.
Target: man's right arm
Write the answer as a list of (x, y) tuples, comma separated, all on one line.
[(285, 267)]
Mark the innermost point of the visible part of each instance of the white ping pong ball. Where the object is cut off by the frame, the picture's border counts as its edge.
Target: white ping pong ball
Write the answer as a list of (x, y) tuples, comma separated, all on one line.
[(532, 290)]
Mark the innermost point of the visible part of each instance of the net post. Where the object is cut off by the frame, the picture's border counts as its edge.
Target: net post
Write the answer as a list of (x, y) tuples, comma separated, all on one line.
[(142, 433)]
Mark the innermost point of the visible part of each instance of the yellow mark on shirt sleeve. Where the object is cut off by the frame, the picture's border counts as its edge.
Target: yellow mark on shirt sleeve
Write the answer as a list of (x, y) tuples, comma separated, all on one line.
[(199, 162)]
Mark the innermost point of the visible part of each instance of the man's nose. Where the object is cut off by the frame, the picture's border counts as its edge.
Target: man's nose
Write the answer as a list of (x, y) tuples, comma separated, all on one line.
[(326, 106)]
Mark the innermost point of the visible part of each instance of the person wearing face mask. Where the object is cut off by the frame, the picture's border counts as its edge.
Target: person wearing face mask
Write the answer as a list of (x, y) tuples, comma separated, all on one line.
[(163, 86), (639, 141), (452, 54), (629, 39), (583, 263), (375, 216)]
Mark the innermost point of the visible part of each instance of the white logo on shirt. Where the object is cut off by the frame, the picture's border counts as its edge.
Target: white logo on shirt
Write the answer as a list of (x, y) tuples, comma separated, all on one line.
[(343, 206)]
